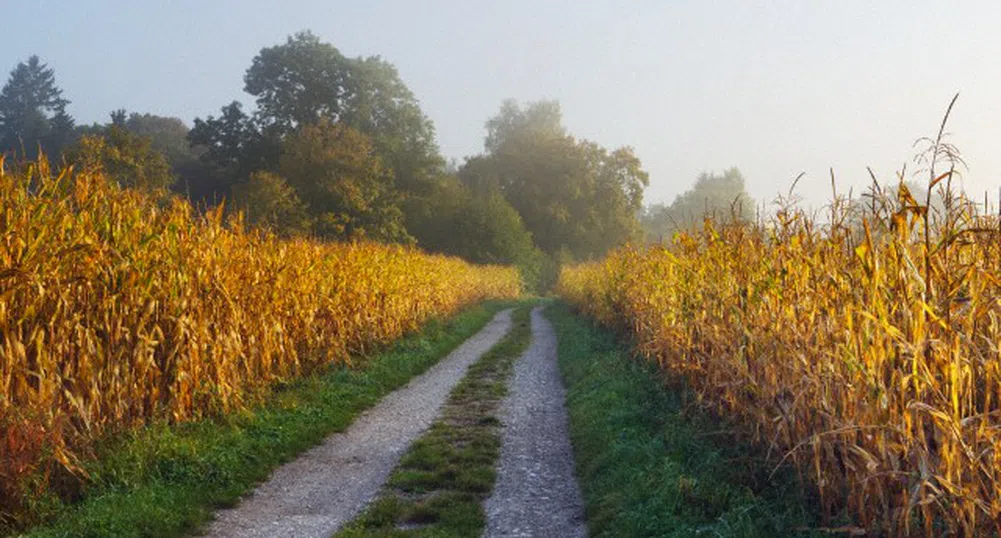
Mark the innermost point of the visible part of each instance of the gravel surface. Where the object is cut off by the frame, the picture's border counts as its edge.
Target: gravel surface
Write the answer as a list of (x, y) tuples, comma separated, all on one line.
[(536, 492), (331, 483)]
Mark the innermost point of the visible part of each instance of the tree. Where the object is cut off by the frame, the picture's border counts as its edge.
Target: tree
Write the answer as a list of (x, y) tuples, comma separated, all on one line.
[(617, 180), (347, 191), (33, 111), (722, 195), (231, 147), (539, 119), (269, 202), (125, 157), (482, 228), (167, 135), (382, 106), (305, 80), (234, 142), (575, 197), (479, 227)]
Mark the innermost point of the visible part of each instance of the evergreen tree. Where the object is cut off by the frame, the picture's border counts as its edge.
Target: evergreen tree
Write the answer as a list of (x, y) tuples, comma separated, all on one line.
[(33, 111)]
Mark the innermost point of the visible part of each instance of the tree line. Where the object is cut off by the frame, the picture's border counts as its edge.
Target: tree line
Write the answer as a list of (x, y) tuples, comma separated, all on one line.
[(338, 148)]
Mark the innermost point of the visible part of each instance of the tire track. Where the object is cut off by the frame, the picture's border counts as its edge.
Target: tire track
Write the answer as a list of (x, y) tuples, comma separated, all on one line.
[(536, 492)]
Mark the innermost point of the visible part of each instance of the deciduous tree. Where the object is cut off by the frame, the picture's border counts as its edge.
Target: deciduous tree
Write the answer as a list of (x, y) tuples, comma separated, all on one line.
[(167, 135), (574, 196), (347, 191), (722, 195), (126, 157), (269, 202), (305, 80)]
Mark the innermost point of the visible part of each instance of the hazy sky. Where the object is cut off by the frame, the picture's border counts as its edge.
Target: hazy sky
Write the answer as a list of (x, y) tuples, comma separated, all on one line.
[(774, 88)]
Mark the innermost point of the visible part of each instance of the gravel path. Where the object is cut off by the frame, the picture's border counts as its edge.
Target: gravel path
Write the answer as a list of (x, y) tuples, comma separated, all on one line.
[(536, 492), (331, 483)]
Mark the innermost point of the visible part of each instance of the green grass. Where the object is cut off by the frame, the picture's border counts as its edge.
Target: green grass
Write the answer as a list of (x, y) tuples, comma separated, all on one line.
[(650, 465), (440, 484), (168, 480)]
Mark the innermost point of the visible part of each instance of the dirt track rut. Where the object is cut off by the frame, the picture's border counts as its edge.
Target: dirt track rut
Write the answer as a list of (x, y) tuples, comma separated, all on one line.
[(536, 492)]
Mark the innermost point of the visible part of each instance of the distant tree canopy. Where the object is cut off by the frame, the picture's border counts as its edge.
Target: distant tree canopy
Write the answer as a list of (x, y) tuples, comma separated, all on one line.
[(328, 183), (347, 191), (304, 90), (482, 228), (339, 148), (539, 120), (33, 111), (233, 146), (535, 187), (574, 196), (721, 194), (269, 202), (167, 135), (125, 156), (304, 81)]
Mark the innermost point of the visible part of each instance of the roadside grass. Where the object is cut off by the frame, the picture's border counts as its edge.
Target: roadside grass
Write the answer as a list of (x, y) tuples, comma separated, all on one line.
[(439, 486), (651, 465), (167, 480)]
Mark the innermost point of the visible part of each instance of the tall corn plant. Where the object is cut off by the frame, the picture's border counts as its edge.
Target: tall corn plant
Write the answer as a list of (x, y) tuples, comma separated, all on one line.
[(117, 309), (864, 354)]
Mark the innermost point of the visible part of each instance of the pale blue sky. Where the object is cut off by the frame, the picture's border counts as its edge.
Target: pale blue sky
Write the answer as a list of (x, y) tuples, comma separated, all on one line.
[(774, 88)]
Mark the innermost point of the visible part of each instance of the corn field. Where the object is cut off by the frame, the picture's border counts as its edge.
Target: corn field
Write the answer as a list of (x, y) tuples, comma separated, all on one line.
[(863, 349), (117, 309)]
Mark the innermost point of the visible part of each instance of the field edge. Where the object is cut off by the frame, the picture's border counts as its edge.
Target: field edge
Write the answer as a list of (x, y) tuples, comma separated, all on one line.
[(648, 463)]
